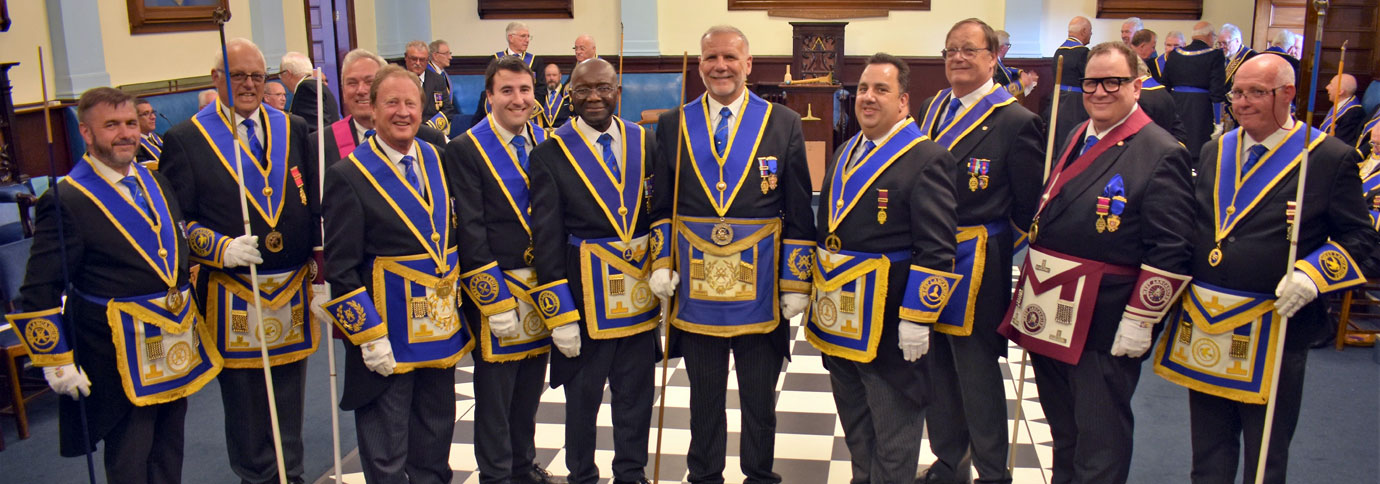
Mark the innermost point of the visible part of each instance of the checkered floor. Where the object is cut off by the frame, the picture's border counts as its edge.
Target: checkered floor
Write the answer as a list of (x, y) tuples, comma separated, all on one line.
[(809, 442)]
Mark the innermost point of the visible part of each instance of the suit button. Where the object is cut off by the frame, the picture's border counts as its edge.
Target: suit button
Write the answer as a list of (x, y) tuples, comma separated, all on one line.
[(1231, 238)]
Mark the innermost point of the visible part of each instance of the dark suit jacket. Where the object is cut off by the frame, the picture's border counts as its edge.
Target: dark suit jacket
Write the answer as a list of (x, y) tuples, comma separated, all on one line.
[(437, 83), (1349, 125), (1159, 204), (304, 104), (1071, 111), (101, 263), (1158, 103), (360, 225), (563, 207), (210, 195), (924, 224), (1204, 71), (781, 138), (426, 133), (1255, 252), (562, 113), (1013, 190)]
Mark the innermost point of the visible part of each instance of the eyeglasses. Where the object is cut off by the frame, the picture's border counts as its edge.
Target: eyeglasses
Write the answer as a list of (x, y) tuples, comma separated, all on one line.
[(445, 54), (243, 76), (583, 91), (418, 60), (1251, 94), (1109, 84), (965, 52)]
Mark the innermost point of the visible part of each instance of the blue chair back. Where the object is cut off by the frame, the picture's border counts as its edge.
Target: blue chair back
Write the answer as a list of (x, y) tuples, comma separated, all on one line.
[(14, 256)]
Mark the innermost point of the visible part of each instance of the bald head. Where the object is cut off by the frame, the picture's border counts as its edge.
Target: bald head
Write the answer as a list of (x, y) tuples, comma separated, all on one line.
[(1341, 87), (1262, 89), (1203, 31), (1269, 69), (584, 48), (1081, 28)]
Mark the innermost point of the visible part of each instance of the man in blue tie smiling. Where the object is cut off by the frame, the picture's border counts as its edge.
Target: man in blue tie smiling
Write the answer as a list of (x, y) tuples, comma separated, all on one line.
[(492, 199), (593, 253), (744, 205)]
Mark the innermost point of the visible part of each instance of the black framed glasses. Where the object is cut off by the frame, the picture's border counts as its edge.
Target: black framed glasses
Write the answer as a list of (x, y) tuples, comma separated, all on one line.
[(258, 78), (1251, 94), (585, 91), (1109, 84)]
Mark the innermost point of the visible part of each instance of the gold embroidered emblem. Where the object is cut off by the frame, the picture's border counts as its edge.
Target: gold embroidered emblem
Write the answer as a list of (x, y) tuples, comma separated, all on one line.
[(800, 262), (180, 357), (485, 287), (200, 241), (350, 315), (1333, 264), (1155, 293), (42, 334), (549, 303), (933, 291)]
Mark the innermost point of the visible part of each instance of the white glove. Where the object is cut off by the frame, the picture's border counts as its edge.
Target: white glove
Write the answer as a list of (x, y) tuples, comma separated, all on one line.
[(664, 282), (505, 324), (1294, 292), (914, 340), (567, 339), (67, 380), (793, 304), (1216, 130), (242, 251), (1132, 338), (320, 295), (378, 356)]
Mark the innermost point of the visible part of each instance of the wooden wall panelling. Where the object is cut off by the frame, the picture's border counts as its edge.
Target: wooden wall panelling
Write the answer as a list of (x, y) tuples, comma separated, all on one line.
[(1156, 9), (1347, 20)]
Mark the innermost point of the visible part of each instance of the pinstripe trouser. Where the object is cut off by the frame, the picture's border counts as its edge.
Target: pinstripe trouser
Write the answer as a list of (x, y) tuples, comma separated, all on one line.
[(758, 367), (881, 425)]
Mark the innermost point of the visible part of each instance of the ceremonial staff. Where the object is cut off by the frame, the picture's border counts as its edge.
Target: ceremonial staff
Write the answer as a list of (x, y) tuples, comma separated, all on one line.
[(62, 250), (1321, 7), (1337, 85), (330, 340), (620, 70), (666, 302), (221, 16), (1049, 160)]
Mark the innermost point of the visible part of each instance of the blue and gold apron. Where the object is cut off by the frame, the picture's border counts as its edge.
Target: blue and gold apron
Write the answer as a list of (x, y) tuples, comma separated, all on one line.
[(284, 298), (1221, 342), (847, 315)]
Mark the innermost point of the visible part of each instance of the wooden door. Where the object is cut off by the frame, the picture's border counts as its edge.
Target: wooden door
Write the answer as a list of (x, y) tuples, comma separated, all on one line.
[(327, 20), (1352, 21)]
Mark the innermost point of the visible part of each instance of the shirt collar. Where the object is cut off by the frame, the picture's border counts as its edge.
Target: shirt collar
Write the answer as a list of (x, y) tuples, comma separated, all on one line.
[(592, 135), (1092, 132), (108, 173), (395, 156), (1273, 139), (968, 100), (733, 107), (359, 131), (507, 136)]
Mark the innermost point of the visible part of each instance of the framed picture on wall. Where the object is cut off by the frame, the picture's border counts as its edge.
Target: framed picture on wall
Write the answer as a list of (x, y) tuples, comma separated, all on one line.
[(157, 16)]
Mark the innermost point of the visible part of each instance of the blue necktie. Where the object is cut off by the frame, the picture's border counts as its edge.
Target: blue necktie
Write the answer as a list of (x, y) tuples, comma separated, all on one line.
[(520, 148), (949, 116), (410, 174), (137, 194), (867, 148), (606, 141), (252, 139), (1254, 155), (1088, 144), (368, 133), (721, 131)]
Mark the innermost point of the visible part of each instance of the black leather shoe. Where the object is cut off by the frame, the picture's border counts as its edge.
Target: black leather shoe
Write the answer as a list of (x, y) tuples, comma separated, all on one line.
[(540, 476)]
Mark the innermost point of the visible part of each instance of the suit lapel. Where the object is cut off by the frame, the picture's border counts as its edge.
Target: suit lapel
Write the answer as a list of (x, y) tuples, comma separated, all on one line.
[(965, 146), (1087, 179)]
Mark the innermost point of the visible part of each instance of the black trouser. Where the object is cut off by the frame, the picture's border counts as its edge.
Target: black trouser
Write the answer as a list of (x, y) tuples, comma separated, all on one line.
[(405, 434), (1220, 427), (627, 364), (758, 365), (248, 429), (146, 445), (505, 410), (1088, 407), (881, 424), (967, 410)]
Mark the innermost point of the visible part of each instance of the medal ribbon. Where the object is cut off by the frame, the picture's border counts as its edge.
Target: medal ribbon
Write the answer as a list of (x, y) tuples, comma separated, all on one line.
[(846, 186), (1235, 189), (215, 127), (731, 168)]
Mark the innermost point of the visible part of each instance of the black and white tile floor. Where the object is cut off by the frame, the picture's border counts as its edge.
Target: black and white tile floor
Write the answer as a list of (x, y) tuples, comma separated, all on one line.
[(809, 441)]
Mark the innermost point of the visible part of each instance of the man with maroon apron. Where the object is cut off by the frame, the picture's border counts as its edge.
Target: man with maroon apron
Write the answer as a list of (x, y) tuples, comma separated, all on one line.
[(1108, 255)]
